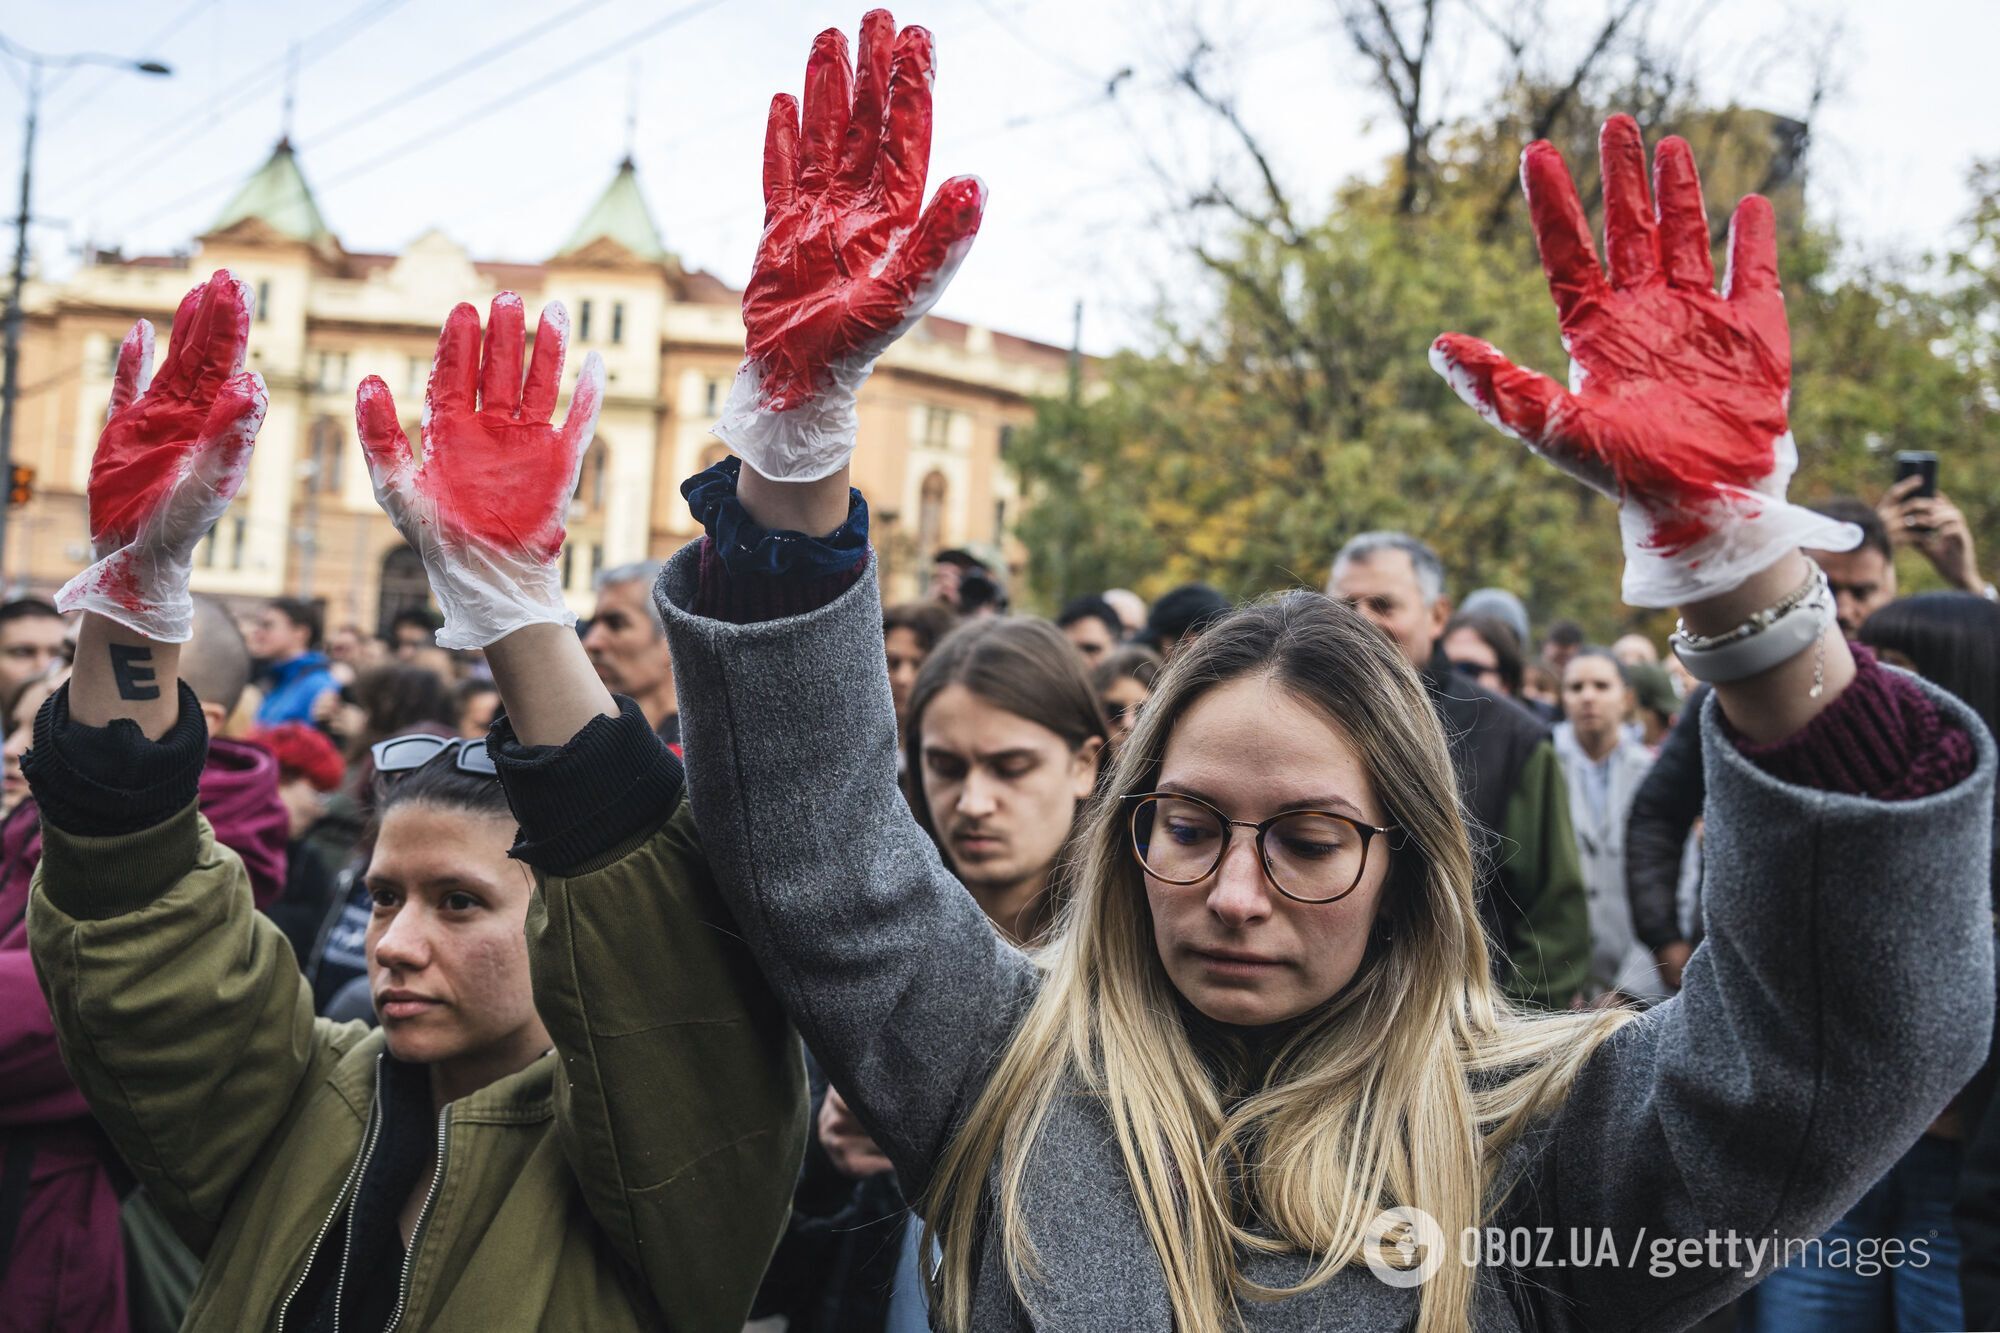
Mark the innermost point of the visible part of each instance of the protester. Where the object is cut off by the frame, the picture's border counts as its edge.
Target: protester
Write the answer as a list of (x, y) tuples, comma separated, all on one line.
[(31, 641), (1654, 704), (1541, 689), (324, 826), (909, 633), (1635, 650), (967, 584), (1603, 765), (412, 630), (1935, 527), (540, 1145), (350, 650), (1124, 681), (1093, 625), (284, 639), (628, 648), (22, 700), (1863, 579), (1562, 642), (1097, 1144), (1131, 608), (1483, 648), (477, 701), (1532, 892), (1503, 606), (1179, 617)]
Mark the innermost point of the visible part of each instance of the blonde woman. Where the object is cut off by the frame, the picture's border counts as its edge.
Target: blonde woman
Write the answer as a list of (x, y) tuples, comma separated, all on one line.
[(1265, 1018)]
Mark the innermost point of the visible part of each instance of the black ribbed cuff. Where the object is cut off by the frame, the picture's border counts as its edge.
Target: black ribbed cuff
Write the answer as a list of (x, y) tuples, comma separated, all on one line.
[(577, 802), (100, 782)]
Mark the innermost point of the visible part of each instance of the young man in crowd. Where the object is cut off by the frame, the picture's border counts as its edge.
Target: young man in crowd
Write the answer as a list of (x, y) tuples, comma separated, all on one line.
[(31, 642), (1533, 897), (1180, 616), (1092, 624), (284, 639), (628, 647)]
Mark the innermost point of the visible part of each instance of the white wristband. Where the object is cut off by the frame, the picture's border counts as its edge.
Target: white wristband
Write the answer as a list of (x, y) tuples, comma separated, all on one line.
[(1751, 648)]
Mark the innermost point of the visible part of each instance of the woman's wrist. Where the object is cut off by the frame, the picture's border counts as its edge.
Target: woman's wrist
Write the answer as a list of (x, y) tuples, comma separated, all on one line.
[(814, 508), (1780, 701), (550, 689), (122, 673)]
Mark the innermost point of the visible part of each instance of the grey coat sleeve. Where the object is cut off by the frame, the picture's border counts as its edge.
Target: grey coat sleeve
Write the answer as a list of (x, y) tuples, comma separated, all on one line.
[(1843, 995), (898, 983)]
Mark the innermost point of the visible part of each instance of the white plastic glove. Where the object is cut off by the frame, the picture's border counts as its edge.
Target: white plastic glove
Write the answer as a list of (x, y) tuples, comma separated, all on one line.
[(846, 266), (484, 506), (1677, 398), (169, 461)]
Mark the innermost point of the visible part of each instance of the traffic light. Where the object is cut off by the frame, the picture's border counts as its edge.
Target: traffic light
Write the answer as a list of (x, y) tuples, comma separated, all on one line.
[(20, 485)]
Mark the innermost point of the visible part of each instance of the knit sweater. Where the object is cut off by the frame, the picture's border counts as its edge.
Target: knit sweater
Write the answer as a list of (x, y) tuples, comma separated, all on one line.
[(1843, 997)]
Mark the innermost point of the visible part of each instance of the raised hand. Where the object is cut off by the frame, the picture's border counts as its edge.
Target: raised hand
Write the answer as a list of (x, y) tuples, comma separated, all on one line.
[(484, 505), (1678, 395), (173, 453), (846, 264)]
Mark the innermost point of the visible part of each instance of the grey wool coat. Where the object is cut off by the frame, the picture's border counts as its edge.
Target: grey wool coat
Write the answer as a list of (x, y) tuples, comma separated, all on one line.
[(1842, 997)]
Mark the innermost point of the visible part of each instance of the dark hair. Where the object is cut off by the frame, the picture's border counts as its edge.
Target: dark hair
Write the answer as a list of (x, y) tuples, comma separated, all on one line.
[(1847, 509), (443, 785), (399, 697), (414, 615), (1599, 651), (929, 621), (1498, 635), (27, 608), (1023, 666), (1951, 639), (1130, 663), (306, 615), (1564, 634), (471, 688), (1090, 606), (1188, 609)]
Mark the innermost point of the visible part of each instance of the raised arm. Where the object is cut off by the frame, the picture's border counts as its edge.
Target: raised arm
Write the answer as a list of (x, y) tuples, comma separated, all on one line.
[(681, 1079), (1844, 992), (898, 983), (180, 1010)]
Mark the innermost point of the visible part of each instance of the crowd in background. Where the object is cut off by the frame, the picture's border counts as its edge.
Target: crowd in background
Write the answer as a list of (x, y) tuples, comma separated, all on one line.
[(1580, 760)]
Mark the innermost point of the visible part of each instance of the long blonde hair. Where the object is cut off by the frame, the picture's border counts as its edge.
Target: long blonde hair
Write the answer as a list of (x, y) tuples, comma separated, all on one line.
[(1404, 1089)]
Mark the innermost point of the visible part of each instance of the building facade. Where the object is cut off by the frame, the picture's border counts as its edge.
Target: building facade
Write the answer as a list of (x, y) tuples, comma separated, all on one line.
[(935, 416)]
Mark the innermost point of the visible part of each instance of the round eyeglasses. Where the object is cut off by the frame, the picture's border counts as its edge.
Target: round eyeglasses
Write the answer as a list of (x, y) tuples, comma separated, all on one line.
[(1310, 856)]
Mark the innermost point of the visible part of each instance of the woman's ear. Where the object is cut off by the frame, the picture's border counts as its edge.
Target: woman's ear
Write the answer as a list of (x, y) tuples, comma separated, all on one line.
[(1084, 768)]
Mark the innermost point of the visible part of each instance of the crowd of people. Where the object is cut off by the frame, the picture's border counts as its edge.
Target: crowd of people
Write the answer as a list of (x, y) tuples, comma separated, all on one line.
[(1125, 968)]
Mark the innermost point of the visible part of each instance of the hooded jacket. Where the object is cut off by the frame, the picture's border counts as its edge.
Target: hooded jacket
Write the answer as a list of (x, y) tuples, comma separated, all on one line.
[(636, 1176), (67, 1269), (291, 688)]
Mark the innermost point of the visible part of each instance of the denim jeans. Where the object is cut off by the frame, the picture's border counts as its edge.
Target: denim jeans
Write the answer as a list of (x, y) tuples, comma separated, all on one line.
[(1919, 1294)]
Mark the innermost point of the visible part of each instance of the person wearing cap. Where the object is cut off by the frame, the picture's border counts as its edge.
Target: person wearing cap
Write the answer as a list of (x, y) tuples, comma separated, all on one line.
[(1503, 606)]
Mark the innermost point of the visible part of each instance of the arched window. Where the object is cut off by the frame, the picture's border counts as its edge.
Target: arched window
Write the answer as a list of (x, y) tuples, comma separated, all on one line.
[(930, 515), (404, 587)]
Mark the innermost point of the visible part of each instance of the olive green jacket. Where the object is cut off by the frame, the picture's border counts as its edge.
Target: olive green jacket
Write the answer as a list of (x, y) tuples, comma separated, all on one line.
[(638, 1176)]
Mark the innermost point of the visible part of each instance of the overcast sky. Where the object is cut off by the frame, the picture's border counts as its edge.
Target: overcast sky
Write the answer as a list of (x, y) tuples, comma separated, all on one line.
[(506, 157)]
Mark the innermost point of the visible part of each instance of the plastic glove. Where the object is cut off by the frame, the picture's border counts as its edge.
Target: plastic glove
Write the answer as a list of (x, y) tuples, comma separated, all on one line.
[(169, 461), (485, 504), (1677, 397), (845, 265)]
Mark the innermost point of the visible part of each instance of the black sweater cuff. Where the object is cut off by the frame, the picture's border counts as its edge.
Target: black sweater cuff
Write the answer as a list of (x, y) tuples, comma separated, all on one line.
[(578, 802), (99, 782)]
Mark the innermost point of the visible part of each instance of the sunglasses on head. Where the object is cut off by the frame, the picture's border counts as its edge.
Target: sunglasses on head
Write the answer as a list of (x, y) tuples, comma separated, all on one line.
[(405, 754)]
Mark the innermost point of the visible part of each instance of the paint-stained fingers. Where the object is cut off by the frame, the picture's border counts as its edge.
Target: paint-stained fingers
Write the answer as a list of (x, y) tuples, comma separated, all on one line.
[(383, 442), (905, 159), (938, 244), (781, 155), (224, 333), (135, 366), (871, 100), (455, 372), (500, 365), (538, 399), (828, 104), (176, 375), (579, 425), (1523, 403), (219, 463), (1631, 240), (1562, 233), (1753, 251), (1684, 249)]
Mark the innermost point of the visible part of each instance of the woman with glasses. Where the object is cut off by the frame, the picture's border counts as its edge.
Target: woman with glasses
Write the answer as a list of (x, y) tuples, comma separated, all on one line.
[(582, 1109), (1258, 1076), (1124, 681)]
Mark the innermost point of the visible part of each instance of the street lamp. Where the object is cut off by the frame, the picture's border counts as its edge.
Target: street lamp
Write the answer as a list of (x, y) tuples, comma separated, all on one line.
[(36, 62)]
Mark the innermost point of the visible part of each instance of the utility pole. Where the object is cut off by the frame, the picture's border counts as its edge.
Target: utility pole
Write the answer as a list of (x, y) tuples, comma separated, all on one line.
[(11, 387)]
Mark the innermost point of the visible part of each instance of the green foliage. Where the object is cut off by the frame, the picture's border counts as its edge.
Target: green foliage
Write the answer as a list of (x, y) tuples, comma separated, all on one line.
[(1296, 407)]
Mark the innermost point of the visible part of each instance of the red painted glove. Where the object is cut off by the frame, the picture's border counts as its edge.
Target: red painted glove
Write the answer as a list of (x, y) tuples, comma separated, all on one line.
[(1677, 400), (485, 504), (169, 461), (846, 265)]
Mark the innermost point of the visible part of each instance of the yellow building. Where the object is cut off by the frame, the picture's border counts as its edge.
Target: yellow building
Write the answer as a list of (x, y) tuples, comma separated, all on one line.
[(934, 417)]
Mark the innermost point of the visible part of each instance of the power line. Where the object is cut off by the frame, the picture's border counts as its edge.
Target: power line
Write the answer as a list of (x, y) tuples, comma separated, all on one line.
[(148, 48), (118, 169)]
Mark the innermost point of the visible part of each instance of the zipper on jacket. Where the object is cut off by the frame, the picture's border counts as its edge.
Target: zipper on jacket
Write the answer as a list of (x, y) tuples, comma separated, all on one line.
[(353, 1174), (423, 1216)]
